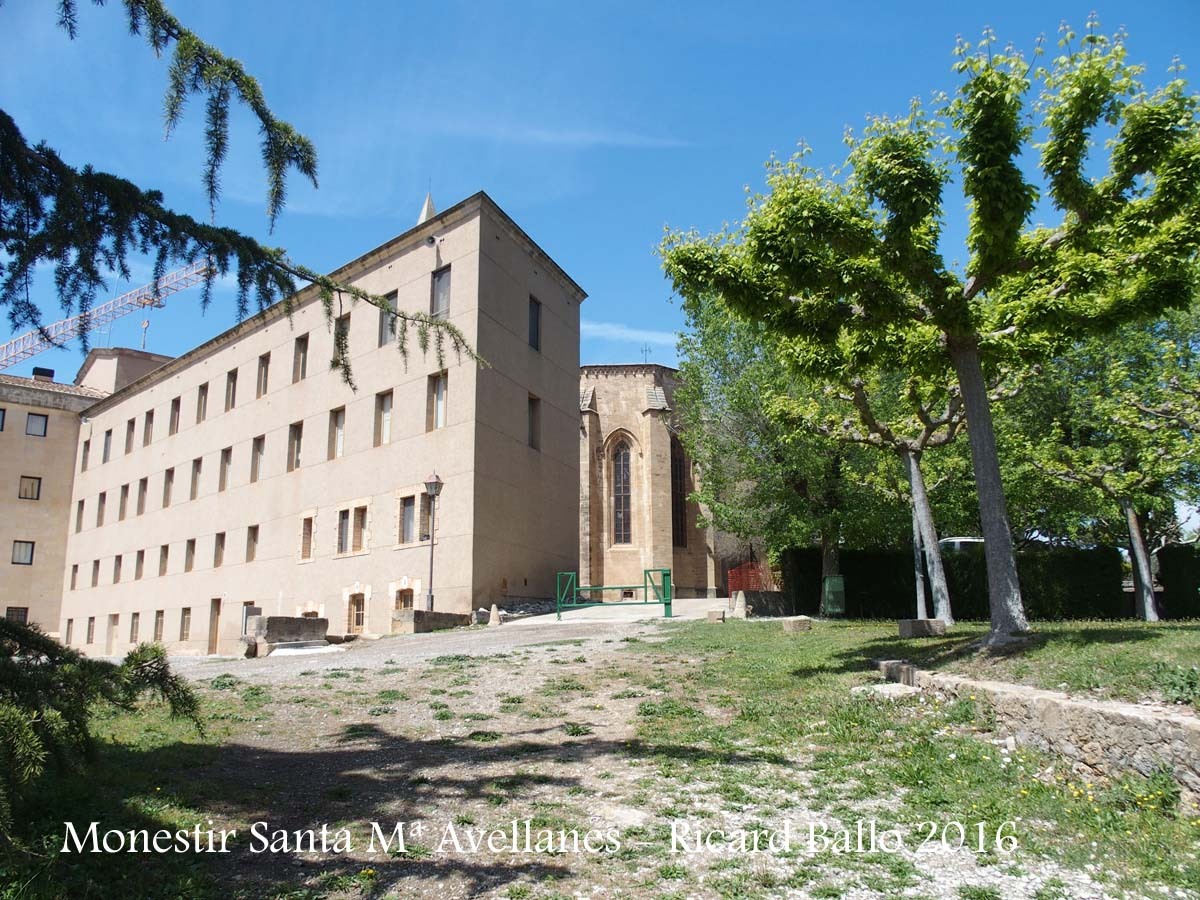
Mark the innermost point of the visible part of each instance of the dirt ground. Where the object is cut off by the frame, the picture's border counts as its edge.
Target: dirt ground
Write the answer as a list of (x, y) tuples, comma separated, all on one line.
[(462, 733)]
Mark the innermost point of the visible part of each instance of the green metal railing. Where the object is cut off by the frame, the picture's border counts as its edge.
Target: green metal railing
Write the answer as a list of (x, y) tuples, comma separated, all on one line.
[(655, 588)]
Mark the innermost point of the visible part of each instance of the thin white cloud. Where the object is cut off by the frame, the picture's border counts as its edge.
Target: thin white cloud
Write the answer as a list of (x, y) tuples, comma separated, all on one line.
[(615, 331)]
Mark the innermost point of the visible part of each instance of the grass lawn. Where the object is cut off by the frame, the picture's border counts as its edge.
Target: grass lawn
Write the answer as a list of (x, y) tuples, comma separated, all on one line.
[(730, 726), (1112, 660)]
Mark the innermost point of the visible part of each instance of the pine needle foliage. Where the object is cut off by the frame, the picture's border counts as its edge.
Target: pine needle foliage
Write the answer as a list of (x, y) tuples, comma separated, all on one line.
[(84, 223), (49, 694)]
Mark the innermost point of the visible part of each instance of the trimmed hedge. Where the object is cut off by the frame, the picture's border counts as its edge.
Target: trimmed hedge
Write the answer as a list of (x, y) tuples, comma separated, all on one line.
[(1056, 583), (1179, 574)]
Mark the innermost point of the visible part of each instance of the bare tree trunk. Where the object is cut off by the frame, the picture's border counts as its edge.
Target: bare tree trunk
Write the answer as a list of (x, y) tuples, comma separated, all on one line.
[(923, 512), (831, 563), (919, 567), (1143, 582), (1004, 590)]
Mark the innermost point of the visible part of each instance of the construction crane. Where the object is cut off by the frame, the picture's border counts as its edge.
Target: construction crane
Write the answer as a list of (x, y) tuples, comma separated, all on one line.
[(147, 296)]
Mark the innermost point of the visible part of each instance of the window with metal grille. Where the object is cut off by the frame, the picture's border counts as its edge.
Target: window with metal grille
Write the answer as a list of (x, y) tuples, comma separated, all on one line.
[(678, 494), (621, 495)]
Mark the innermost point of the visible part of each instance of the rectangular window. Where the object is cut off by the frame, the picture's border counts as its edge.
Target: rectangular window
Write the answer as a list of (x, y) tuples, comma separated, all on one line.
[(148, 428), (35, 424), (79, 517), (135, 619), (218, 549), (404, 599), (139, 565), (130, 429), (535, 422), (230, 389), (164, 556), (678, 494), (30, 488), (408, 520), (106, 451), (173, 420), (257, 450), (75, 576), (337, 433), (358, 540), (3, 413), (295, 440), (159, 618), (300, 359), (251, 543), (70, 631), (383, 418), (91, 629), (387, 321), (123, 503), (425, 509), (341, 331), (189, 555), (117, 569), (202, 403), (535, 324), (435, 413), (101, 503), (306, 538), (22, 553), (168, 484), (185, 624), (343, 533), (225, 467), (197, 465), (84, 452), (95, 572), (264, 375), (143, 490), (18, 614), (439, 302)]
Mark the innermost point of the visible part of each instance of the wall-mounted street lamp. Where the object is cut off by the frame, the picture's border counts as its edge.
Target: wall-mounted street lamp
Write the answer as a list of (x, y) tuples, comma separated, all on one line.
[(433, 487)]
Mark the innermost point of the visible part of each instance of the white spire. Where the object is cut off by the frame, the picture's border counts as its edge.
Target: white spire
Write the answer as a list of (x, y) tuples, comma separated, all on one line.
[(427, 210)]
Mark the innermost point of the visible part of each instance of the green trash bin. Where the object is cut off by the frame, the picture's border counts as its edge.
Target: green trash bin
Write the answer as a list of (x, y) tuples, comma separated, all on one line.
[(833, 596)]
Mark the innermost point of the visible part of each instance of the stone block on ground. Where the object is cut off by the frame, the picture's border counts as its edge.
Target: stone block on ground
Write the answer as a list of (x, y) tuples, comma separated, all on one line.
[(797, 624), (494, 616), (716, 615), (912, 628)]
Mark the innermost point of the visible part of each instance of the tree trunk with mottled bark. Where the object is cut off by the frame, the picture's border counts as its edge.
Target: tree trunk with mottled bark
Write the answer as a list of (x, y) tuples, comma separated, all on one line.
[(923, 512), (831, 562), (1004, 590), (1143, 582), (919, 567)]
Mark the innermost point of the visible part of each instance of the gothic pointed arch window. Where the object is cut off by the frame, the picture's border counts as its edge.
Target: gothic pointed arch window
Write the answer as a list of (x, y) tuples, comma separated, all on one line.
[(678, 494), (621, 495)]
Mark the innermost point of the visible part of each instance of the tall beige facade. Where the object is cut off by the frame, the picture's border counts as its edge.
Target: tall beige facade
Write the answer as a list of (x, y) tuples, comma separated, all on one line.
[(245, 473), (39, 437), (634, 482)]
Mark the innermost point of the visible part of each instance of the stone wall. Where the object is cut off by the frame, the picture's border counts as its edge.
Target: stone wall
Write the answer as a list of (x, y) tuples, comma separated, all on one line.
[(1099, 736), (420, 621)]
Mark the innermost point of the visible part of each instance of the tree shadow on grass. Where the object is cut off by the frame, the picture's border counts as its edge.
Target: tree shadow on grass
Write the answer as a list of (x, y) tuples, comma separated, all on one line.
[(940, 652), (362, 773)]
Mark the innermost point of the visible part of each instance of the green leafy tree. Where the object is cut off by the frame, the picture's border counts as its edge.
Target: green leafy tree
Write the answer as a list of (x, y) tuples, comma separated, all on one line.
[(1106, 417), (849, 265), (85, 224), (50, 693), (760, 477), (897, 415)]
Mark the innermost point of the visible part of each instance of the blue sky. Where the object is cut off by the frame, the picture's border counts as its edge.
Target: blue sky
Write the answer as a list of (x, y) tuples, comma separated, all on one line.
[(593, 124)]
